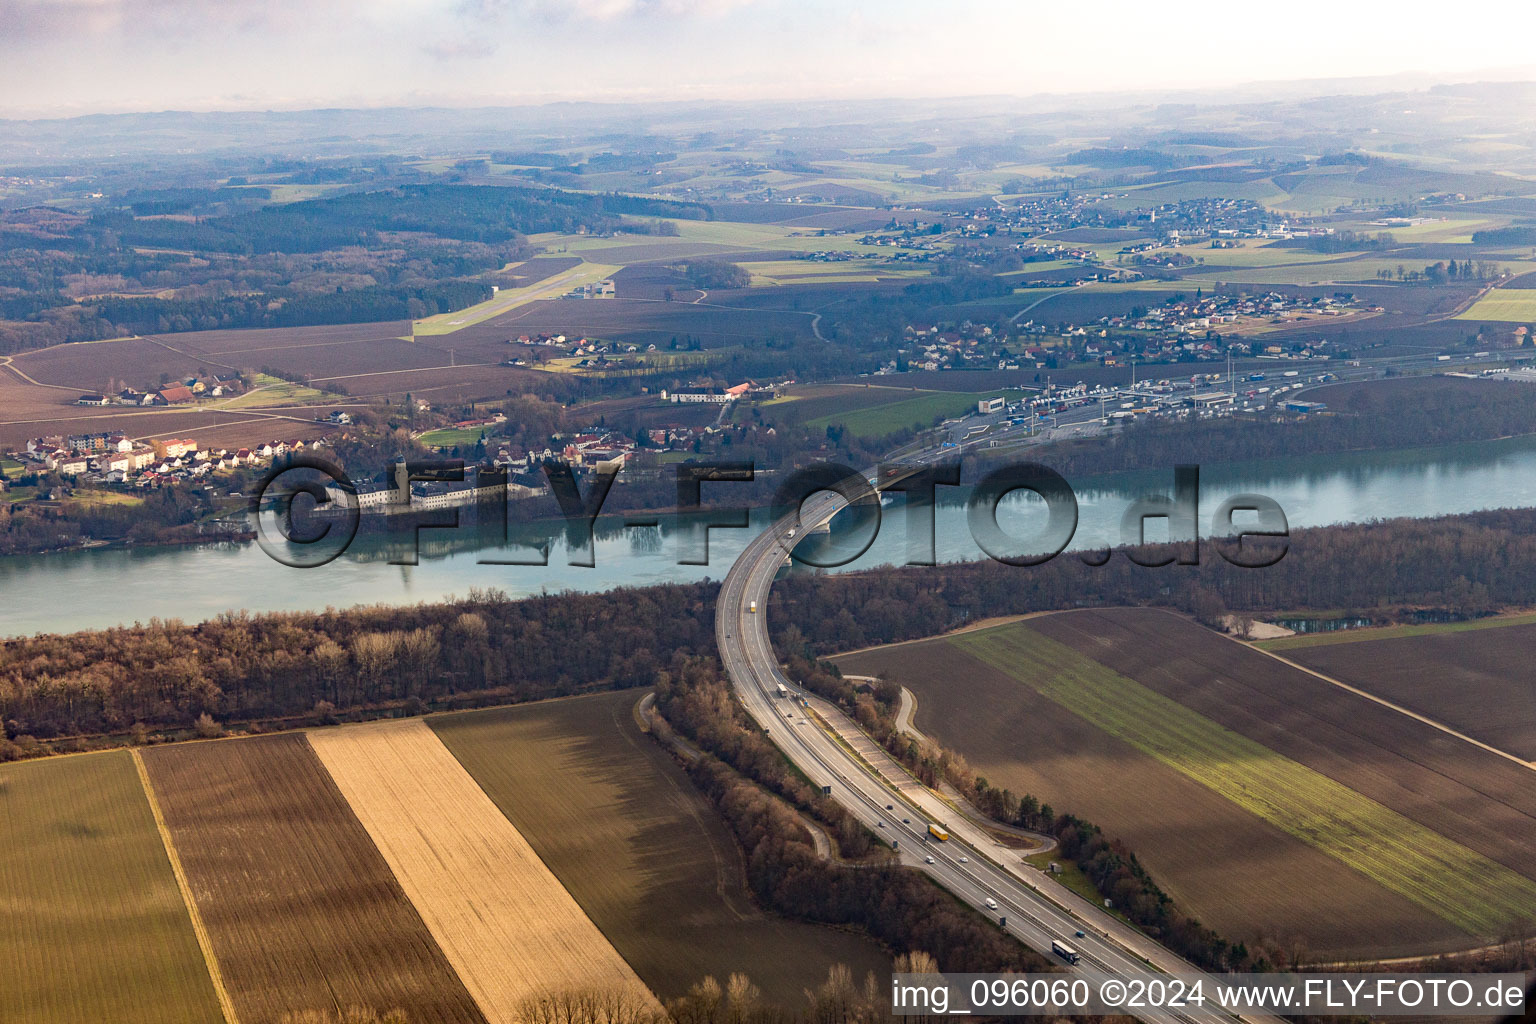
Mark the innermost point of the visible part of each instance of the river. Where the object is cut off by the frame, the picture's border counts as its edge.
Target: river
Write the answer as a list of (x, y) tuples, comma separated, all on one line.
[(107, 587)]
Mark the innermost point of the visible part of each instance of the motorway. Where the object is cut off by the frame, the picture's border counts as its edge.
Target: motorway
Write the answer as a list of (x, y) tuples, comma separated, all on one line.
[(1024, 899)]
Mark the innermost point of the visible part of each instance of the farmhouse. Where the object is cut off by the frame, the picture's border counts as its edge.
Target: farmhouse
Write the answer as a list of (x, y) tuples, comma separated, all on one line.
[(176, 395)]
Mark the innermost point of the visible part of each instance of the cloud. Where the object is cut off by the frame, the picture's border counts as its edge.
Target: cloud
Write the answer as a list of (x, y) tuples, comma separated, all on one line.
[(67, 19), (480, 22), (597, 10), (460, 49)]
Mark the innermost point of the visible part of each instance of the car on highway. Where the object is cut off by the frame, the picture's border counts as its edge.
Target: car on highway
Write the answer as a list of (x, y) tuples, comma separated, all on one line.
[(906, 821), (880, 823), (890, 807), (965, 860), (928, 860)]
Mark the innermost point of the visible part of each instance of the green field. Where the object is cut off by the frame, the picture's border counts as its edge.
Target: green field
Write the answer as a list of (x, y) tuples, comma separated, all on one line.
[(1454, 883), (1349, 636), (102, 499), (1257, 256), (92, 924), (770, 273), (879, 420), (451, 437), (1516, 305), (269, 390)]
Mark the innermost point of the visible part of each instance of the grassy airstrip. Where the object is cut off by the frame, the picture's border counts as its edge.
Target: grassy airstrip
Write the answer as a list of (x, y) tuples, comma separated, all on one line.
[(92, 925), (510, 298), (1451, 881)]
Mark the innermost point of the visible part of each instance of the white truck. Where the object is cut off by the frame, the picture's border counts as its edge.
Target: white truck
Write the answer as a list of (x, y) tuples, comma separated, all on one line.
[(751, 606)]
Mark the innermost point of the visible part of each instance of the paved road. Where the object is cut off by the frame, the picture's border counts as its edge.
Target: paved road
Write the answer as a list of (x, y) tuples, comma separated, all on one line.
[(1036, 910)]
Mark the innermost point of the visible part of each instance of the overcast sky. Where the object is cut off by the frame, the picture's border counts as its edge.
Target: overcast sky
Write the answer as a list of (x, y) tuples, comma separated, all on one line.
[(61, 57)]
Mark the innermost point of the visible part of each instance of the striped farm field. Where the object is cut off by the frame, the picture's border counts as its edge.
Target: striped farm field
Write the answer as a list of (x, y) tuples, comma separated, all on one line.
[(1463, 887), (302, 911), (1515, 305), (1470, 676), (92, 924), (502, 919), (625, 831), (1226, 866)]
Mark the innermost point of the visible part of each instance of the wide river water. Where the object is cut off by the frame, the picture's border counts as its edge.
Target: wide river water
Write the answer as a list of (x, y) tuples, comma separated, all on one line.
[(107, 587)]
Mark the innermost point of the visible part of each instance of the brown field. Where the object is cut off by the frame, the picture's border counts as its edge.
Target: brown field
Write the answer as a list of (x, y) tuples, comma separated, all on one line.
[(646, 856), (1477, 682), (29, 410), (1228, 867), (442, 384), (500, 917), (321, 352), (221, 429), (380, 354), (1471, 796), (638, 321), (303, 912), (256, 341), (89, 366)]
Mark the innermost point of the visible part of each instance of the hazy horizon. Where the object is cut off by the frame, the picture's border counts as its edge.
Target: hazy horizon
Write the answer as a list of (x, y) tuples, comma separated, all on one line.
[(71, 57)]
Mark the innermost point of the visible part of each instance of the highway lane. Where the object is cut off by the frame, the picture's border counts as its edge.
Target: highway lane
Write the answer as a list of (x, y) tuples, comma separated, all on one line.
[(1032, 913)]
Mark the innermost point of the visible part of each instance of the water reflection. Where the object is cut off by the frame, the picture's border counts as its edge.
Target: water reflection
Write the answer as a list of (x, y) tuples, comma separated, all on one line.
[(88, 589)]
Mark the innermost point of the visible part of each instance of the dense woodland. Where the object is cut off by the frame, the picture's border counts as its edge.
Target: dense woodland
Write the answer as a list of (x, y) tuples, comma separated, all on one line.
[(187, 259)]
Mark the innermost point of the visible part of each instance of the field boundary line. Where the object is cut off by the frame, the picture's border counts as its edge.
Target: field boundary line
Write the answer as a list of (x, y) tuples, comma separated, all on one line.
[(987, 623), (1384, 702), (204, 941), (1357, 691)]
